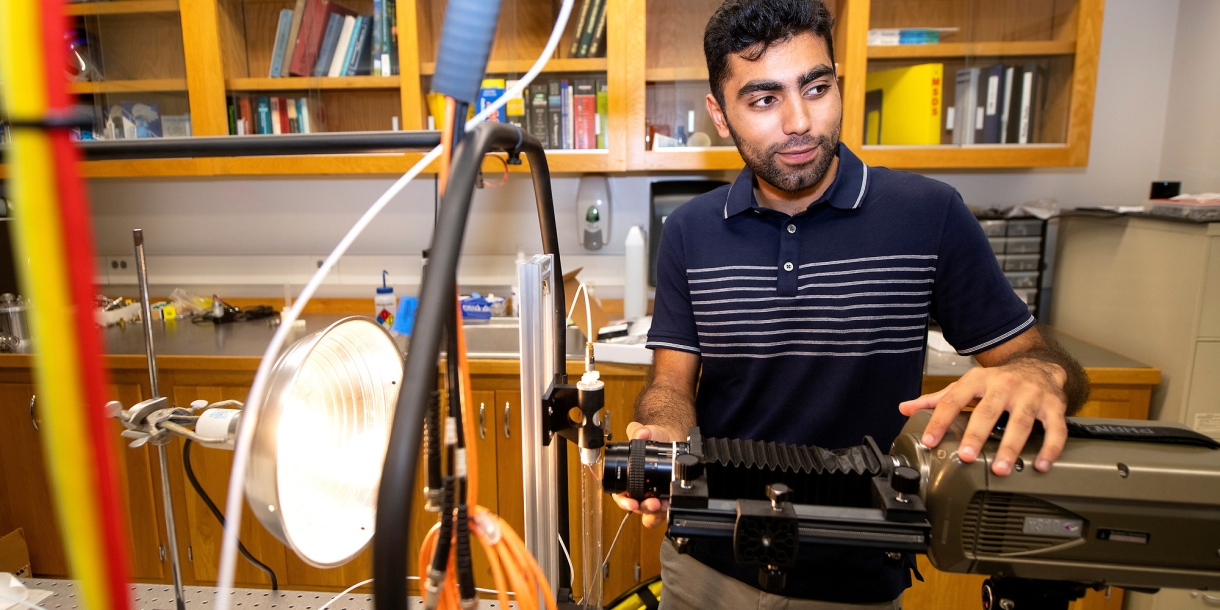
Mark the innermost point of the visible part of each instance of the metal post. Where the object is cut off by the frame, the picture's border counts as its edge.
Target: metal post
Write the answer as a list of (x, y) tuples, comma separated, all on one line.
[(146, 315), (536, 278)]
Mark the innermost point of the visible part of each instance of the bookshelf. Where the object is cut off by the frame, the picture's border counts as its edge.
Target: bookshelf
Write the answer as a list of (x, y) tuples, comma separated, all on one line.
[(210, 50)]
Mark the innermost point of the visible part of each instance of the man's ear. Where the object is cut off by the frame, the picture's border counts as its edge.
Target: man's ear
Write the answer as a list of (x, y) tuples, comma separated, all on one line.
[(714, 110)]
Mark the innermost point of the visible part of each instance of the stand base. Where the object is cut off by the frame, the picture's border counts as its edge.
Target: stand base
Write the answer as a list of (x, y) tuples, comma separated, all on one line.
[(1027, 594)]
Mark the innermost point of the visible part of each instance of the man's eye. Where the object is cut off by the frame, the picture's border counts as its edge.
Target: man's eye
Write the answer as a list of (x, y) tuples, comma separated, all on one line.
[(763, 101), (817, 90)]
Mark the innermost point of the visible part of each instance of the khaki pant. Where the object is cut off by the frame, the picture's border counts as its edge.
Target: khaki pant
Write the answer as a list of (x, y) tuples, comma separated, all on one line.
[(691, 585)]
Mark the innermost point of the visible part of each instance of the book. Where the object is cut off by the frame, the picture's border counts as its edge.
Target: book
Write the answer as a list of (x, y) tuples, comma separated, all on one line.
[(597, 46), (285, 127), (910, 105), (1006, 104), (514, 110), (554, 115), (580, 27), (586, 33), (326, 52), (339, 60), (246, 110), (992, 106), (536, 113), (899, 36), (1033, 98), (263, 120), (294, 125), (360, 39), (281, 43), (276, 126), (566, 126), (964, 108), (293, 31), (378, 21), (584, 115), (489, 92), (303, 115), (309, 37), (232, 108), (603, 114), (391, 15)]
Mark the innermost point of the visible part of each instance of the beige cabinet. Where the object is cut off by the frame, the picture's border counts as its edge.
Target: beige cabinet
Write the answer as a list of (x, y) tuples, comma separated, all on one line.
[(1148, 289)]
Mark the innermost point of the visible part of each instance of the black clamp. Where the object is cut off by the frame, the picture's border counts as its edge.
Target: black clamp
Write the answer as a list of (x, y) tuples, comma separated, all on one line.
[(767, 534), (559, 401)]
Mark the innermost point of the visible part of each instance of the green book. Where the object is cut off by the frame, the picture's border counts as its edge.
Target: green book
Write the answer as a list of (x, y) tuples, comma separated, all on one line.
[(586, 31), (603, 101)]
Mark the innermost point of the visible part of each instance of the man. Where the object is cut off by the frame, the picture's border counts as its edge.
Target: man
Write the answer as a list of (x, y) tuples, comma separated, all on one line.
[(792, 306)]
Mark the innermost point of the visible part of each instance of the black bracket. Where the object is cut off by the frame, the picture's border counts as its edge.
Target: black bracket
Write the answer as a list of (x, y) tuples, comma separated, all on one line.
[(767, 534)]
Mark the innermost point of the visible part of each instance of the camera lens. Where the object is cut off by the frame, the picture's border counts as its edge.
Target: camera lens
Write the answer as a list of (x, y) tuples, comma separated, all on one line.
[(640, 468)]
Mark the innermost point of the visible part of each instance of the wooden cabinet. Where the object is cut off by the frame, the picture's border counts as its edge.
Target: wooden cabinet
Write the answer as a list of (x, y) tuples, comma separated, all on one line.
[(653, 66), (26, 498)]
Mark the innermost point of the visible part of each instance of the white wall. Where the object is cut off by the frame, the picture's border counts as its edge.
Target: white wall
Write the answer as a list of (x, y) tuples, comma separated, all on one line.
[(299, 220), (1191, 148)]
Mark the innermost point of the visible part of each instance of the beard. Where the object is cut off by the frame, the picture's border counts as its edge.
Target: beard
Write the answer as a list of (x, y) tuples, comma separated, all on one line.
[(765, 164)]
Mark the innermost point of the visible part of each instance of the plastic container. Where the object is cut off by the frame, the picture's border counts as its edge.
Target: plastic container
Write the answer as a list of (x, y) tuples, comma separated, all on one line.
[(1022, 279), (994, 228), (998, 244), (1021, 262), (1031, 227), (384, 304), (1024, 245)]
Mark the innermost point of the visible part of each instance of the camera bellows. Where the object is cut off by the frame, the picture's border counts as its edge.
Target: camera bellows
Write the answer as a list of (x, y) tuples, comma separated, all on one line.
[(742, 469)]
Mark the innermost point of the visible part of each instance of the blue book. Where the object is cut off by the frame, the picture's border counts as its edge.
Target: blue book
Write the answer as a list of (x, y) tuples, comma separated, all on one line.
[(326, 53), (378, 19), (360, 48), (263, 120), (281, 43), (351, 46)]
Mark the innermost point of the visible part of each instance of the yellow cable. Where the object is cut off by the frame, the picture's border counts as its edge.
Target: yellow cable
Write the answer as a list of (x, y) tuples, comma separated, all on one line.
[(39, 240)]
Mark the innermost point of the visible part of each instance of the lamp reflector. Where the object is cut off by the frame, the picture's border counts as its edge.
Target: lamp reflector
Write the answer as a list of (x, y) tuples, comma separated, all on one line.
[(322, 438)]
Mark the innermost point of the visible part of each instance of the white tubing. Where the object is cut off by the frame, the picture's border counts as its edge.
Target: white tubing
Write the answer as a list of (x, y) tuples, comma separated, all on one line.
[(253, 406)]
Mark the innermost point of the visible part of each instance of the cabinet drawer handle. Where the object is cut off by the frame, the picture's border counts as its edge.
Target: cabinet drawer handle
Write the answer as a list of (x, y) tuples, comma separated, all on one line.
[(33, 421), (482, 431), (507, 428)]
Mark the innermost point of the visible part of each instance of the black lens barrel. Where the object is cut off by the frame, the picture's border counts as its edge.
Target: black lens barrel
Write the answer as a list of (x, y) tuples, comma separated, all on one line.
[(640, 468)]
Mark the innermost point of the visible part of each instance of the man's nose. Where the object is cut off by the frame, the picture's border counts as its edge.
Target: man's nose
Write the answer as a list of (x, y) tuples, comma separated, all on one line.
[(796, 116)]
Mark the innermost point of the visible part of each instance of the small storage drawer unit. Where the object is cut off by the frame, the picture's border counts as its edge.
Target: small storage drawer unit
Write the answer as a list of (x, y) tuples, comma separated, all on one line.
[(1018, 247)]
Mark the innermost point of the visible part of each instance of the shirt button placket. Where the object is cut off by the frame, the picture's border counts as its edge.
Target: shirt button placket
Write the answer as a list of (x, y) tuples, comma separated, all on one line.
[(789, 254)]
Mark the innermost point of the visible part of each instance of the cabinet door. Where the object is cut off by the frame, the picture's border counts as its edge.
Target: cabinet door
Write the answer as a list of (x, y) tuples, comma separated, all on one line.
[(30, 503), (509, 487), (212, 467), (25, 480)]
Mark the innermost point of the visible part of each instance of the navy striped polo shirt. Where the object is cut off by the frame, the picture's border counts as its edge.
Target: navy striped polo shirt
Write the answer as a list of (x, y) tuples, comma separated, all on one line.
[(812, 327)]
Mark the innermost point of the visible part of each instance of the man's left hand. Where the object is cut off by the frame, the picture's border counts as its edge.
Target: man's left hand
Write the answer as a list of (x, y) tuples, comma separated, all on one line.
[(1029, 390)]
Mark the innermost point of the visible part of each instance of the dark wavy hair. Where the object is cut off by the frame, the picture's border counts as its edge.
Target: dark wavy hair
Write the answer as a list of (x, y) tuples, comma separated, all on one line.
[(750, 27)]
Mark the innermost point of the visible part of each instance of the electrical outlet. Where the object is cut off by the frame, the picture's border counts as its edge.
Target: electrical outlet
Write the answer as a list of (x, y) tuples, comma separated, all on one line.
[(121, 270)]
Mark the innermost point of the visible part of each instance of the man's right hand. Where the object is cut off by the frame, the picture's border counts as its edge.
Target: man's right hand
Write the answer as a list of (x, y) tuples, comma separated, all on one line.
[(652, 510)]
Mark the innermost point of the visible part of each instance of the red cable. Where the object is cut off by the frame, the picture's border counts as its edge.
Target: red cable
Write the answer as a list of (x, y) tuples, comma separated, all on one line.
[(78, 244)]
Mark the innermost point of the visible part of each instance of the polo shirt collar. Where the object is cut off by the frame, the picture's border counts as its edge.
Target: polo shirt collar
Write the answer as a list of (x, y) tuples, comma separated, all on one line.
[(846, 192)]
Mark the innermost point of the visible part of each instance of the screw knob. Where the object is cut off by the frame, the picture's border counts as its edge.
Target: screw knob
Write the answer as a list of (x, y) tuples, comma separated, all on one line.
[(905, 480), (778, 492), (687, 467)]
